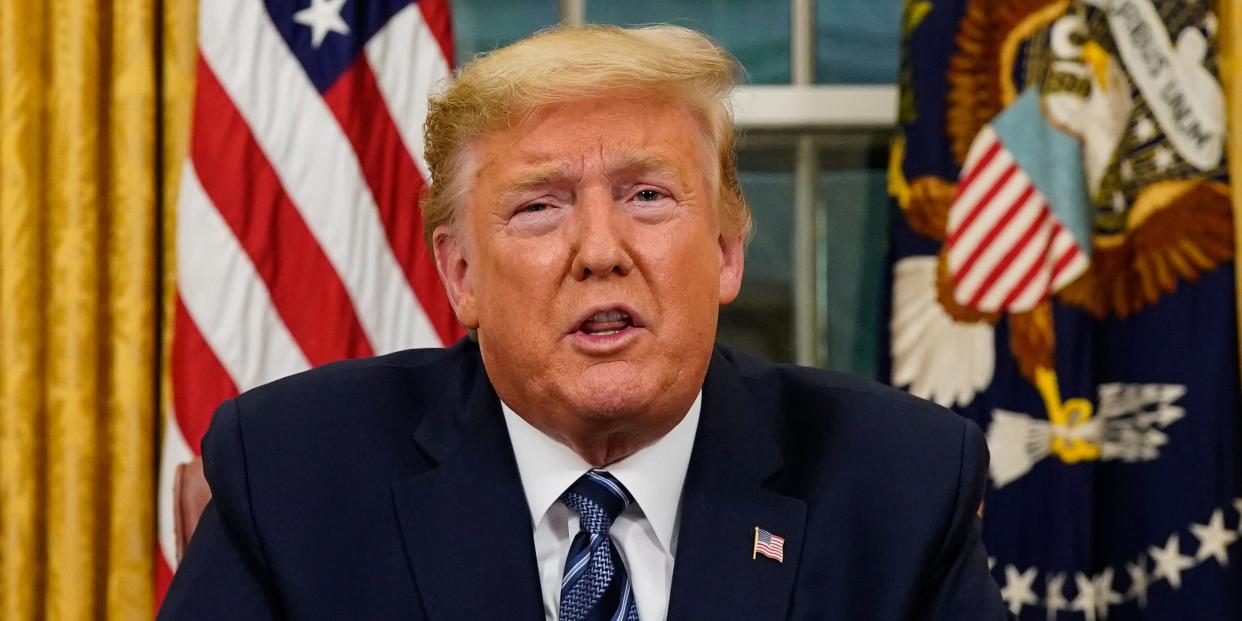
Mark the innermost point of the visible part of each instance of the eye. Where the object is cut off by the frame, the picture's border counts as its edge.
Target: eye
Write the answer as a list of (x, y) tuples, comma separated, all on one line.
[(648, 195), (534, 208)]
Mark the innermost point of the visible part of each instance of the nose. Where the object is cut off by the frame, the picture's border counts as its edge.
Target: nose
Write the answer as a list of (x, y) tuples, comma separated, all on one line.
[(599, 230)]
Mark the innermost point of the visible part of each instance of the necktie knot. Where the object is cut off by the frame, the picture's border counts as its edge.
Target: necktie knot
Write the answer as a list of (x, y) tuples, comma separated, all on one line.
[(598, 498)]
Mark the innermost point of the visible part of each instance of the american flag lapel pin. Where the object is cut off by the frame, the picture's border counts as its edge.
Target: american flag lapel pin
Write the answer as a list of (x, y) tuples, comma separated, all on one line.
[(769, 545)]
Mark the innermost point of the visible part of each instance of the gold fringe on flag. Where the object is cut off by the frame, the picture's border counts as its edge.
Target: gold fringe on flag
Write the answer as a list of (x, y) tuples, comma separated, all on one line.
[(1229, 14)]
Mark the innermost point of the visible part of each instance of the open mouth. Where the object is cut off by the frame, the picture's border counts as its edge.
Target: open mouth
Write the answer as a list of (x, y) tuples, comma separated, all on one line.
[(608, 322)]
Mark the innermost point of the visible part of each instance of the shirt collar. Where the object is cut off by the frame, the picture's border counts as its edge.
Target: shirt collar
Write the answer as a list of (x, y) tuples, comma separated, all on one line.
[(654, 475)]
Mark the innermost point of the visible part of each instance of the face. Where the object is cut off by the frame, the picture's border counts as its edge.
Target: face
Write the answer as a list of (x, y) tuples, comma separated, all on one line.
[(590, 258)]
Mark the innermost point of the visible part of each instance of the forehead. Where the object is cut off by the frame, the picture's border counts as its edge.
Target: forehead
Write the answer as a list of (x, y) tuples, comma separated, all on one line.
[(617, 132)]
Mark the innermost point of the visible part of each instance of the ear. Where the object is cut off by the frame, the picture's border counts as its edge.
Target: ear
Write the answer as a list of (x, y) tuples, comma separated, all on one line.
[(452, 264), (732, 263)]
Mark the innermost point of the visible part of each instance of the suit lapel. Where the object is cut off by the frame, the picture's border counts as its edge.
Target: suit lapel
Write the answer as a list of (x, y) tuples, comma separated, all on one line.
[(465, 522), (724, 500)]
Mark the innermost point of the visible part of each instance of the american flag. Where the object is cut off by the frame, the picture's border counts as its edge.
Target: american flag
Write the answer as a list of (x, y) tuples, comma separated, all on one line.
[(299, 239), (1006, 249), (769, 545)]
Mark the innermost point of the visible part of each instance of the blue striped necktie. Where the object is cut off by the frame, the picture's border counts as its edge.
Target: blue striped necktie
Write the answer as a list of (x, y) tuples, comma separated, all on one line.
[(595, 585)]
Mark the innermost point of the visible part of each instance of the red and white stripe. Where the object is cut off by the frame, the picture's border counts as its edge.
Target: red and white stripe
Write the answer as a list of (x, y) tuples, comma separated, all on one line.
[(1005, 247), (770, 545), (298, 241)]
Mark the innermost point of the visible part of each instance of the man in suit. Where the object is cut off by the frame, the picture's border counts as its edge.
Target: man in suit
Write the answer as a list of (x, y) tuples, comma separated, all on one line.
[(588, 453)]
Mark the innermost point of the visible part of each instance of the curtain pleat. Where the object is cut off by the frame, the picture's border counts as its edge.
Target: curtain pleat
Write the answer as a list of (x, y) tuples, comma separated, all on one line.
[(131, 279), (23, 493)]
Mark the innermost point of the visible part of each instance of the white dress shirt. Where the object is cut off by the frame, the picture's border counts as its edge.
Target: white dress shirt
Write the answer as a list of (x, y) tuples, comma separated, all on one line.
[(645, 533)]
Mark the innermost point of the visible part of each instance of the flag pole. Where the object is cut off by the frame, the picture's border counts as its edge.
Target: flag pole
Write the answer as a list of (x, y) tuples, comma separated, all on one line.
[(754, 549)]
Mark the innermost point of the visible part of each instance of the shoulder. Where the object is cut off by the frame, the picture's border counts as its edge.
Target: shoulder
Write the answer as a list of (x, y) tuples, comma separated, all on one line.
[(348, 414), (353, 392), (806, 399), (332, 380), (304, 444), (831, 423)]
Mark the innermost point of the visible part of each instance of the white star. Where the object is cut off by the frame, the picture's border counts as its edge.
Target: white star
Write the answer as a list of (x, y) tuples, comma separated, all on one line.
[(321, 17), (992, 559), (1054, 601), (1162, 158), (1237, 505), (1017, 592), (1144, 130), (1170, 562), (1105, 596), (1138, 581), (1084, 602), (1214, 538)]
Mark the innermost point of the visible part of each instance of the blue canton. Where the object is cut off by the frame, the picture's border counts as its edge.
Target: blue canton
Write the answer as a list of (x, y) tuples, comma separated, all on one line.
[(337, 52)]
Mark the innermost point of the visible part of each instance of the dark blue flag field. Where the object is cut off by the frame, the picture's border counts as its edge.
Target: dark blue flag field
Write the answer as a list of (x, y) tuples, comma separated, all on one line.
[(1062, 274)]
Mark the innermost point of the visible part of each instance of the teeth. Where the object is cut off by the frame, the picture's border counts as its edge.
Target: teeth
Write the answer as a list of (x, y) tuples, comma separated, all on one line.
[(606, 316), (604, 333)]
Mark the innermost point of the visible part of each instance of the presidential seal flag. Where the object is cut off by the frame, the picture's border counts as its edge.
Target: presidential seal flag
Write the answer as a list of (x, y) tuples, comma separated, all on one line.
[(298, 234), (1063, 274)]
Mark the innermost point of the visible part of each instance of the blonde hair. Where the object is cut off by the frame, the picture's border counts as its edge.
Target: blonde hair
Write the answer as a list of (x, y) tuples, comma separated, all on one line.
[(571, 63)]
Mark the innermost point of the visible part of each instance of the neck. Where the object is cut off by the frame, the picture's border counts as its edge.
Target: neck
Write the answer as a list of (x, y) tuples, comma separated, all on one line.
[(600, 429), (602, 439), (601, 448)]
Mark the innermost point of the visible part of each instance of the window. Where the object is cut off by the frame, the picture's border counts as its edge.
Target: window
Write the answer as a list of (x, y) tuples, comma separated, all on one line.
[(483, 25), (755, 31)]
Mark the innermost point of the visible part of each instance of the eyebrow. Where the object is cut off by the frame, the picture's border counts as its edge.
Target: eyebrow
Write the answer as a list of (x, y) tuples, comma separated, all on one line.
[(540, 177), (631, 162), (634, 162)]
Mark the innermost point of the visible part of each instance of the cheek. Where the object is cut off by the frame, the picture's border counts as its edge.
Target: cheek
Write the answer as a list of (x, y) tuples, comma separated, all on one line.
[(687, 276), (516, 279)]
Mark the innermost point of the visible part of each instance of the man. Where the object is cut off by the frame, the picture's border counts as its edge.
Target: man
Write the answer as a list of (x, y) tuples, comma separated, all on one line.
[(588, 454)]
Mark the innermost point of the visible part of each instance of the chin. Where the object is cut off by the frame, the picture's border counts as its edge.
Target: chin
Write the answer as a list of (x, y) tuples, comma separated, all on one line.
[(610, 395)]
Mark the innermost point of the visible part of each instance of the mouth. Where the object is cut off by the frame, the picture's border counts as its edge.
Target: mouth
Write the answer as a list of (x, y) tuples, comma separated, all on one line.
[(607, 321)]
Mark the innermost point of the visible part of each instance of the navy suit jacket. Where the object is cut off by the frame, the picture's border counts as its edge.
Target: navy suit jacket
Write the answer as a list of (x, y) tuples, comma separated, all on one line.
[(386, 488)]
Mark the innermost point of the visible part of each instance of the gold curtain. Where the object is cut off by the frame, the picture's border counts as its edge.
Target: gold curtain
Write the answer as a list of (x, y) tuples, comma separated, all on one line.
[(92, 115)]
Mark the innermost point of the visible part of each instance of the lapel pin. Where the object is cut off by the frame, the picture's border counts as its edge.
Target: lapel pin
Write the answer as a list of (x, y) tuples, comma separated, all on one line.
[(769, 545)]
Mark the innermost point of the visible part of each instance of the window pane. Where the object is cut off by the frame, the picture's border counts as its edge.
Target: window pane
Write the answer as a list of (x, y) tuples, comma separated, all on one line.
[(853, 208), (484, 25), (755, 31), (857, 42), (760, 321), (852, 220)]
